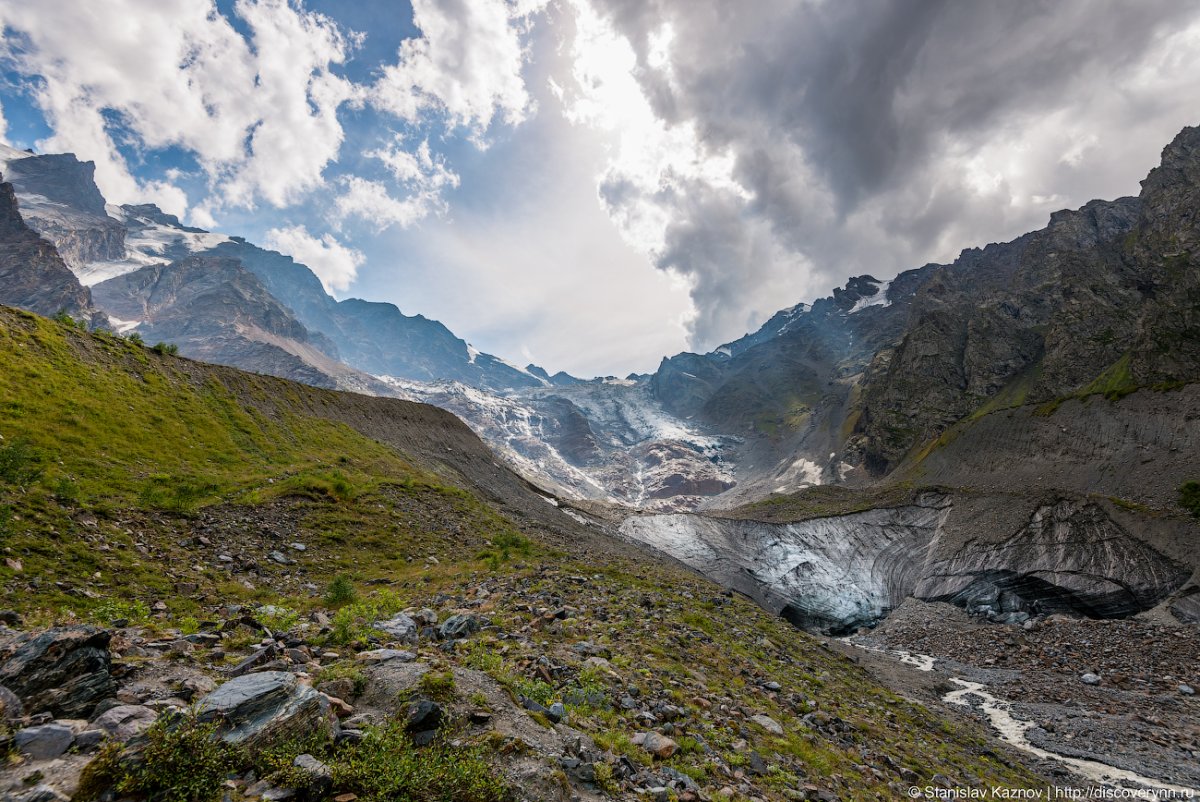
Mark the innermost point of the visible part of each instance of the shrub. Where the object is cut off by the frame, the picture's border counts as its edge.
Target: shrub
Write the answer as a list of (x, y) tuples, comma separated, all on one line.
[(1189, 497), (63, 318), (135, 338), (276, 619), (340, 592), (182, 761), (385, 765), (113, 610), (181, 494), (19, 463), (165, 348), (65, 489)]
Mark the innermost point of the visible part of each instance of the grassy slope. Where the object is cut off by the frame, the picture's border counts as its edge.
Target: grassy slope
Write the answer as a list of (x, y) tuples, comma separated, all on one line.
[(123, 432)]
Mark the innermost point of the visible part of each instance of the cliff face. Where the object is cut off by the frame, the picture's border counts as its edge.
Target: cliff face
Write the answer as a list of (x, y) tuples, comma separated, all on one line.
[(32, 274), (63, 204)]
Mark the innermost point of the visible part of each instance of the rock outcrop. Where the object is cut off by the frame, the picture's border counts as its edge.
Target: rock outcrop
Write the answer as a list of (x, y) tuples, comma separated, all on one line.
[(64, 671), (33, 275), (260, 710)]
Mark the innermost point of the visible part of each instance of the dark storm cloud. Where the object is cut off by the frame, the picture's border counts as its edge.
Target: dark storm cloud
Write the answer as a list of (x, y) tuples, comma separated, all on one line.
[(873, 136)]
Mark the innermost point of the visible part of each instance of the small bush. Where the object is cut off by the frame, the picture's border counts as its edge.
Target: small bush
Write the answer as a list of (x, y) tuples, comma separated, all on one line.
[(63, 318), (354, 620), (181, 494), (65, 489), (385, 765), (533, 689), (19, 463), (165, 348), (340, 592), (135, 338), (276, 619), (113, 610), (1189, 497), (182, 761)]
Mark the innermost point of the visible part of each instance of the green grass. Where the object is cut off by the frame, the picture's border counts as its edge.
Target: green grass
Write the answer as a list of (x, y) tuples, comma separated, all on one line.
[(137, 427), (1115, 382)]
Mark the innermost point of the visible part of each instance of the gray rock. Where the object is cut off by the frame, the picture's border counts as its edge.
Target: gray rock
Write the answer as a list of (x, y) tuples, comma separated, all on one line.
[(556, 712), (423, 715), (318, 778), (384, 655), (1090, 679), (10, 705), (459, 626), (767, 723), (125, 721), (44, 742), (40, 793), (1187, 690), (90, 740), (400, 627), (259, 710), (64, 670), (280, 557)]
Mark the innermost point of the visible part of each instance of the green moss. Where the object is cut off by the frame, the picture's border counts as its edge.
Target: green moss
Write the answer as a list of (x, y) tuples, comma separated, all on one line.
[(1115, 382), (1189, 497)]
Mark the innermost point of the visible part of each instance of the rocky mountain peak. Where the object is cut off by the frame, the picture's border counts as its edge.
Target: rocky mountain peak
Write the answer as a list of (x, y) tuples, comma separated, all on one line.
[(62, 178)]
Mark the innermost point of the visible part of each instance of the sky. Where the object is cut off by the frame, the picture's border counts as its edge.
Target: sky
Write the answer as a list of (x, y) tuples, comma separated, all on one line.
[(590, 185)]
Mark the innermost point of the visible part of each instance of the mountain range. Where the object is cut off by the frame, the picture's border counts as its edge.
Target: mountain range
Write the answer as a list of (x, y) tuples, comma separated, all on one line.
[(984, 378)]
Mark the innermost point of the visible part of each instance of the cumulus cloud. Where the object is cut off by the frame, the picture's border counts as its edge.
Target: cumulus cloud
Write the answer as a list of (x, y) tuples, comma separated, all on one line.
[(334, 263), (466, 64), (811, 141), (422, 176), (371, 201), (258, 113)]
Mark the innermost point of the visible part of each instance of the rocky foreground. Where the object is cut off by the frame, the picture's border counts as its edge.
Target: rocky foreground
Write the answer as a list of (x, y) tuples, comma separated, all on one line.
[(542, 682)]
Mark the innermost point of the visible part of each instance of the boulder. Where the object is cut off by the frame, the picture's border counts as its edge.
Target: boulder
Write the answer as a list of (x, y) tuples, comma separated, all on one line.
[(423, 715), (767, 723), (124, 722), (45, 742), (259, 710), (400, 627), (10, 705), (660, 746), (459, 626), (64, 671), (383, 655)]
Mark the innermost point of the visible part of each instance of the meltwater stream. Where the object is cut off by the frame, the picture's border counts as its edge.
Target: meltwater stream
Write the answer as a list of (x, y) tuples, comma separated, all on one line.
[(1013, 730)]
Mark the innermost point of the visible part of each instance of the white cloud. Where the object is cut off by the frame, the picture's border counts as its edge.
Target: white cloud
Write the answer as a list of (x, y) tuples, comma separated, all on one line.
[(334, 263), (423, 176), (371, 201), (258, 114), (672, 196), (466, 64)]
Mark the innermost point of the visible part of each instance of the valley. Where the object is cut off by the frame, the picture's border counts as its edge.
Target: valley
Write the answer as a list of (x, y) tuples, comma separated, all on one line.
[(689, 585)]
